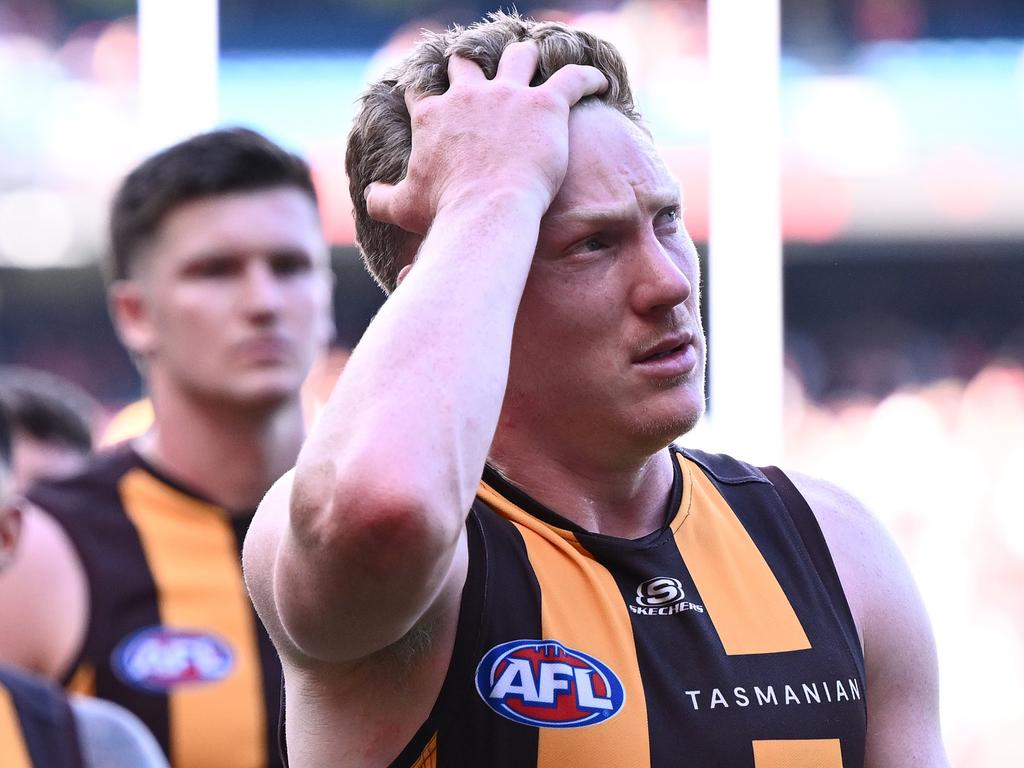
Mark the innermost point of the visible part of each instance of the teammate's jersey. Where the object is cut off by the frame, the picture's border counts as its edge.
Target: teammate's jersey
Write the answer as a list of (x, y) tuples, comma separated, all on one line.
[(37, 729), (172, 635), (723, 639)]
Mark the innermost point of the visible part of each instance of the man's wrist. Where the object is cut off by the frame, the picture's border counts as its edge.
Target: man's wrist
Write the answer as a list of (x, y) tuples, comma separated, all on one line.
[(495, 204)]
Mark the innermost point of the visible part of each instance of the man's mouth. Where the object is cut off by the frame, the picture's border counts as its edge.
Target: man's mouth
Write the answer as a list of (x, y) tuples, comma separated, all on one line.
[(674, 355), (666, 347)]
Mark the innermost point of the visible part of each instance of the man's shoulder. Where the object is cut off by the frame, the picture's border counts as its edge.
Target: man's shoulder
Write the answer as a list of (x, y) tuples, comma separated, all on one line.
[(97, 478), (872, 569), (851, 529), (113, 735), (722, 467)]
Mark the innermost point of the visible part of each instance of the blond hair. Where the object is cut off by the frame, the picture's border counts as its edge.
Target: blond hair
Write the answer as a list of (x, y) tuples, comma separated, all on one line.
[(381, 138)]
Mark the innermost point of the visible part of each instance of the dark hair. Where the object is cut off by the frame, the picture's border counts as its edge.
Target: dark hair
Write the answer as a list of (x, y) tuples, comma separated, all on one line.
[(210, 164), (47, 407), (381, 138)]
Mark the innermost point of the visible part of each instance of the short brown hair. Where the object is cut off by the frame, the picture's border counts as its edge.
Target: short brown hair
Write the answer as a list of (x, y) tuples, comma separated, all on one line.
[(48, 407), (381, 138), (208, 165)]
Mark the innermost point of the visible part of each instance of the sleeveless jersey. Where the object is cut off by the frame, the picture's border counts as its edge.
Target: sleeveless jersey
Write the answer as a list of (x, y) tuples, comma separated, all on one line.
[(37, 728), (723, 639), (172, 635)]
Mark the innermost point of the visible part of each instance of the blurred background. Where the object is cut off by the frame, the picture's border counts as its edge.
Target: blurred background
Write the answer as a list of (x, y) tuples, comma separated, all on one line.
[(902, 221)]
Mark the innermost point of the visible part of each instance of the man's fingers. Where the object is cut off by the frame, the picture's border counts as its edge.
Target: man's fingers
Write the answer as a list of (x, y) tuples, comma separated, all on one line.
[(463, 70), (380, 201), (576, 81), (518, 62), (411, 98), (387, 203)]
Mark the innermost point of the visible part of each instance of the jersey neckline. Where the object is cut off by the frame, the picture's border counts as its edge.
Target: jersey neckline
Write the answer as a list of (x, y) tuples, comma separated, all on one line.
[(143, 463), (521, 499)]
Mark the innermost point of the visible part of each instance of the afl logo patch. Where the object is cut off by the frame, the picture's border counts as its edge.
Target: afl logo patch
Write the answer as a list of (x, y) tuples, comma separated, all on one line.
[(548, 685), (159, 658)]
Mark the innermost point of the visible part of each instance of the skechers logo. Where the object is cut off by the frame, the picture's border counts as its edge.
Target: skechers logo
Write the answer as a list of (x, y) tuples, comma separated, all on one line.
[(549, 685), (662, 596), (159, 658)]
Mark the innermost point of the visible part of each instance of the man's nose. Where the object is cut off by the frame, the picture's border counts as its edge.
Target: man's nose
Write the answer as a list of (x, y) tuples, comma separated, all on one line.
[(661, 282), (261, 291)]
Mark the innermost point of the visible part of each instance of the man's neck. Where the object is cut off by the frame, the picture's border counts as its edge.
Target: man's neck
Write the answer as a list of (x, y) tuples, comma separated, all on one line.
[(230, 456), (617, 499)]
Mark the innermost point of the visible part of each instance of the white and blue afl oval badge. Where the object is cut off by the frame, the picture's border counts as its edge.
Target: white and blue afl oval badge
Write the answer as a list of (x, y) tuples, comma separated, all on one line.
[(159, 658), (548, 685)]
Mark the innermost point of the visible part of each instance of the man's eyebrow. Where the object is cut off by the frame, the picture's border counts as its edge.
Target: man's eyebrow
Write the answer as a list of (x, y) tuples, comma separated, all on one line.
[(589, 216), (197, 257), (662, 198)]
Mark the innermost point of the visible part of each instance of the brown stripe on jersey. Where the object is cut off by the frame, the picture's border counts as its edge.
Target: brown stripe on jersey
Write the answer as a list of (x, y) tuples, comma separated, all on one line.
[(817, 548), (83, 681), (13, 749), (577, 595), (199, 584), (798, 753), (745, 602), (427, 758)]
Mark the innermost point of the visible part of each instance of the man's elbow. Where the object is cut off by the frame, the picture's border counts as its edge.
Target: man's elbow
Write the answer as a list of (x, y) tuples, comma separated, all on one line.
[(373, 511), (360, 566)]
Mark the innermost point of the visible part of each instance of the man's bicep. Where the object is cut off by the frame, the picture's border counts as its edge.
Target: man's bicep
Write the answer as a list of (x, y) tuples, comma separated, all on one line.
[(902, 672), (899, 648)]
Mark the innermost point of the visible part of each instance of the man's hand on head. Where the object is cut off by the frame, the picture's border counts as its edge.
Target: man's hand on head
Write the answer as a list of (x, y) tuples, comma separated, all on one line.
[(500, 134)]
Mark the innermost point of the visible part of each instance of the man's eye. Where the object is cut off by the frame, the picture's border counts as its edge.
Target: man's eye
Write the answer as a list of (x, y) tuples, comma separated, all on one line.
[(668, 219), (290, 264), (592, 244), (212, 268)]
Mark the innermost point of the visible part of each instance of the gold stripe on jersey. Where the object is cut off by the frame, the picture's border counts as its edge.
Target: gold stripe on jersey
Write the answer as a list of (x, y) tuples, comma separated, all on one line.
[(83, 682), (798, 753), (191, 551), (428, 757), (744, 600), (577, 595), (13, 750)]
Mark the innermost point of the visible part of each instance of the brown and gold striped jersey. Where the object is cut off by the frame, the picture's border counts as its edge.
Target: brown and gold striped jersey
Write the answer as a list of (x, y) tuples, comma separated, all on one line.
[(172, 635), (722, 639)]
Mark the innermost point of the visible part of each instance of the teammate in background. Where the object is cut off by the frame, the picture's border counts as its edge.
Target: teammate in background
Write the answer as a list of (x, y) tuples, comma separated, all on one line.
[(39, 726), (600, 598), (136, 417), (51, 424), (221, 291), (51, 436)]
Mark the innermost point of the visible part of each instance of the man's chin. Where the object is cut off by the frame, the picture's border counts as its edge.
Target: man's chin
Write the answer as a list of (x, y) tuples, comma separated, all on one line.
[(260, 395), (660, 427)]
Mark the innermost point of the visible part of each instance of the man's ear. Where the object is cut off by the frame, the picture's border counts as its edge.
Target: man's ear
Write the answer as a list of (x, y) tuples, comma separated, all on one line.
[(130, 314), (402, 273), (10, 532), (410, 248)]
